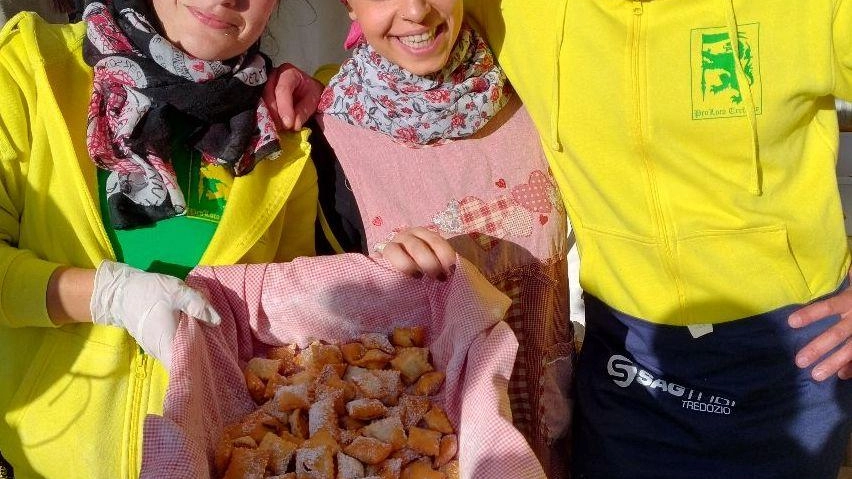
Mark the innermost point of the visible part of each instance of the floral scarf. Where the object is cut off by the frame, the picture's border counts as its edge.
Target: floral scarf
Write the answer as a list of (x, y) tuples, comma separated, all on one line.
[(142, 85), (372, 92)]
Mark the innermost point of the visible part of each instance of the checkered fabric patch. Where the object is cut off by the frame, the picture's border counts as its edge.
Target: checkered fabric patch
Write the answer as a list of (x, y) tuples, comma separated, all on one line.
[(539, 317), (519, 391), (485, 218)]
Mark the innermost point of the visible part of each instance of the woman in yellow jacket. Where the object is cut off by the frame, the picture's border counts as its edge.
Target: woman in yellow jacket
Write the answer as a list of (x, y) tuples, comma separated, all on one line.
[(133, 146)]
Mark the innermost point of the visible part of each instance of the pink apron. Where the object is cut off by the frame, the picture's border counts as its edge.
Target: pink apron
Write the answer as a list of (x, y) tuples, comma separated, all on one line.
[(493, 197)]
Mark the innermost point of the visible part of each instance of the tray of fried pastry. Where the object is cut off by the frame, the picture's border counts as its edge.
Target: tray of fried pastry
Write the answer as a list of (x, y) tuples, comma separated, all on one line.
[(366, 408), (329, 356)]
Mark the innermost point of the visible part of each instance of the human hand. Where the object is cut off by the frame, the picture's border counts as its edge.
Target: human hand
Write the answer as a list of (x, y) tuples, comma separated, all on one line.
[(840, 334), (416, 251), (147, 305), (291, 96)]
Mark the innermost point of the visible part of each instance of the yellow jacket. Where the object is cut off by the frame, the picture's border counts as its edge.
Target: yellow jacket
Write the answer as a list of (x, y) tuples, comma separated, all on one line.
[(701, 189), (73, 398)]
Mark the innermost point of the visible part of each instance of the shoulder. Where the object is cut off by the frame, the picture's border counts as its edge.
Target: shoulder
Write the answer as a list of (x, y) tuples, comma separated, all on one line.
[(27, 39), (325, 72)]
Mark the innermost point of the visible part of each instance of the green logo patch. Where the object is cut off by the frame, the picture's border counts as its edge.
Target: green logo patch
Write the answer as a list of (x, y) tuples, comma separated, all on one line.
[(209, 188), (716, 89)]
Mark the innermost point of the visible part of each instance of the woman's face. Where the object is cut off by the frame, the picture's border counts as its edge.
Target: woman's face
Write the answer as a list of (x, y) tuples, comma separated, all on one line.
[(417, 35), (213, 29)]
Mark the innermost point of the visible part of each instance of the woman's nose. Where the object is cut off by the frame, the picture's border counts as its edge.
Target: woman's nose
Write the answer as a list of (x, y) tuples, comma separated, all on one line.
[(415, 10), (232, 4)]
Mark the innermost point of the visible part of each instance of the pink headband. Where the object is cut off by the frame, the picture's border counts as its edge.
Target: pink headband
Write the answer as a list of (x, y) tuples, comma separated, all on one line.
[(355, 35)]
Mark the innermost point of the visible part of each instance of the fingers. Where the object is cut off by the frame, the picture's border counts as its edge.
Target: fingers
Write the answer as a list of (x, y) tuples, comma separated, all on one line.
[(165, 357), (811, 313), (292, 96), (835, 336), (839, 362), (195, 305), (418, 251), (268, 96), (845, 372), (158, 341), (156, 331), (278, 96), (307, 98), (286, 88)]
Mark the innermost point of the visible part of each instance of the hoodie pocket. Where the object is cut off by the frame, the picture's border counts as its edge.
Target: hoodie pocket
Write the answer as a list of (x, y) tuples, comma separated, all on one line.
[(71, 404), (740, 273)]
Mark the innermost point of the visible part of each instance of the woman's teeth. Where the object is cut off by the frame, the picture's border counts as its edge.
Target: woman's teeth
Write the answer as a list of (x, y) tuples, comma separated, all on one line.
[(418, 41)]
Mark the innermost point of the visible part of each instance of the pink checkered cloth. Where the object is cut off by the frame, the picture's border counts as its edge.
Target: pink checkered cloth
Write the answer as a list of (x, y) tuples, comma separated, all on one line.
[(336, 298)]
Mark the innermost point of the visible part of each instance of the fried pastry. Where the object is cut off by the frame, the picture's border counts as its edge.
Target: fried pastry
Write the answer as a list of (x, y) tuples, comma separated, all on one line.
[(412, 363), (428, 384), (388, 430), (368, 450), (409, 337), (366, 408), (361, 410), (436, 419), (447, 450), (314, 463), (424, 441)]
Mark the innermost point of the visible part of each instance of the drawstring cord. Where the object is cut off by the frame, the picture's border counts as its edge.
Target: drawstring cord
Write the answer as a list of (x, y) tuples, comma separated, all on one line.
[(755, 186), (555, 142)]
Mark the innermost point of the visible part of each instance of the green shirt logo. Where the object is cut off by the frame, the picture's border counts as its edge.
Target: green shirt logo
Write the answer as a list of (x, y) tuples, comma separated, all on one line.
[(716, 89), (208, 190)]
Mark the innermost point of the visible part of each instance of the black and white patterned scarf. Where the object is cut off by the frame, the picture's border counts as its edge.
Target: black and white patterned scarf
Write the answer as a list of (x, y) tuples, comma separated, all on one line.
[(142, 85)]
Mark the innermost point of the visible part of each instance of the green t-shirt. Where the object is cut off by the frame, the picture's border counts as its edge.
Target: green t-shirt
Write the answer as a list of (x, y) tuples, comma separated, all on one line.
[(174, 246)]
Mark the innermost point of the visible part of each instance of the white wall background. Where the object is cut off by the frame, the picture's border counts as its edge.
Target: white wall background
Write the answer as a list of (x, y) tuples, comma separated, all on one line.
[(307, 33)]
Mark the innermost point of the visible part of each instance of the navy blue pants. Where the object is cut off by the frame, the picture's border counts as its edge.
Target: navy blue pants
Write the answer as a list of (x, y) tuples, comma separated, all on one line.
[(654, 402)]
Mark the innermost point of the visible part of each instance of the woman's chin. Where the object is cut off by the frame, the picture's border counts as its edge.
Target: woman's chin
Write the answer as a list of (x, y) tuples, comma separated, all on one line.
[(424, 68), (212, 49)]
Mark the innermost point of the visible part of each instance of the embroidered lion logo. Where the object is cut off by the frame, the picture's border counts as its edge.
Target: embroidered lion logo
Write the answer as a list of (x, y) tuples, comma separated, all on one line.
[(717, 65)]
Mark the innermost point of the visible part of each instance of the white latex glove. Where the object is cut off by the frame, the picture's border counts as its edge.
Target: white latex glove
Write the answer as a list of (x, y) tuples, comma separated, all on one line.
[(147, 305)]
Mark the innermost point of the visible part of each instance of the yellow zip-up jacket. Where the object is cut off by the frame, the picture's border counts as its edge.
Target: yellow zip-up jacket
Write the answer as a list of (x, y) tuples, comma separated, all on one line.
[(73, 398), (699, 174)]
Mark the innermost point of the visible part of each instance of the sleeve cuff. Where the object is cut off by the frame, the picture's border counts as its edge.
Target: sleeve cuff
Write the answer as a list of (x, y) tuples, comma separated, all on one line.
[(23, 292)]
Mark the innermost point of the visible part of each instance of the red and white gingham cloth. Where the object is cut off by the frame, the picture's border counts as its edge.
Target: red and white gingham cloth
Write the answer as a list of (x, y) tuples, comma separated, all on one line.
[(336, 298)]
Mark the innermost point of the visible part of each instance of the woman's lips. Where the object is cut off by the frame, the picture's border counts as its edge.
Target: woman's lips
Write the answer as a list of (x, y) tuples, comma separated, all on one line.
[(210, 20), (428, 41)]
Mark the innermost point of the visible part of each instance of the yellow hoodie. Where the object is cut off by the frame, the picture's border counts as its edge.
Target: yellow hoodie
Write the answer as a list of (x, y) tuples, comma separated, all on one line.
[(701, 188), (72, 399)]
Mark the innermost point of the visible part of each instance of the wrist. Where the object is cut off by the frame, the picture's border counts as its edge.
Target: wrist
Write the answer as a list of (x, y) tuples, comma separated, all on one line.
[(69, 293)]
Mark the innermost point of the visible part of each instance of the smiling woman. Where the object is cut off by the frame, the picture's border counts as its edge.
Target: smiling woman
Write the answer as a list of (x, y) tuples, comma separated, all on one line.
[(417, 36), (152, 152), (213, 30), (454, 165)]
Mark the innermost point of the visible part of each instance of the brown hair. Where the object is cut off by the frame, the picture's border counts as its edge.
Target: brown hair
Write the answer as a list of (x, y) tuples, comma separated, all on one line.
[(63, 6)]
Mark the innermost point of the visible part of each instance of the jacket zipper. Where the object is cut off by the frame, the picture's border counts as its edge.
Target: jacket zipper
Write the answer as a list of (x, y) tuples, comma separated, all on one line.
[(139, 374), (656, 204)]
